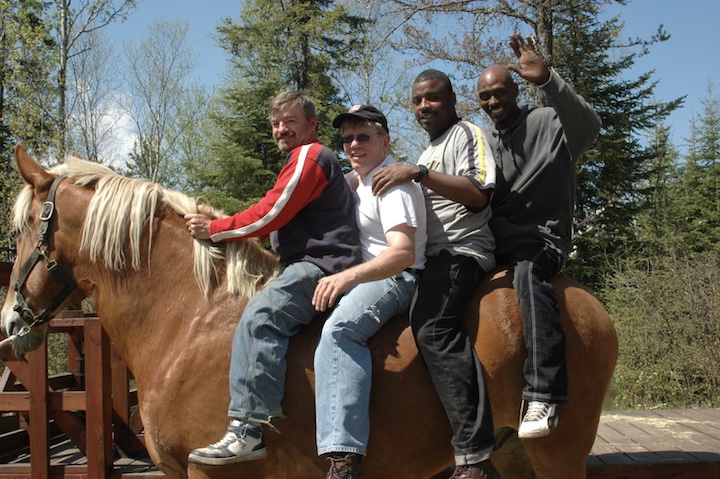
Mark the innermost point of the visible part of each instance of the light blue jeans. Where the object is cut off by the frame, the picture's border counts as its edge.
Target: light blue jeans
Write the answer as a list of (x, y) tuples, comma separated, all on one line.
[(343, 365), (271, 317)]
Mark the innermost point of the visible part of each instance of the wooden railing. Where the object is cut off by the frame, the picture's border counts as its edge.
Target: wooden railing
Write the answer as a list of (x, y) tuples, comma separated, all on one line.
[(5, 269), (92, 404)]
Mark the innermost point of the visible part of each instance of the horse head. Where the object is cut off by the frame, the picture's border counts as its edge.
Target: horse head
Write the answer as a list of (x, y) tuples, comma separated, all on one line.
[(82, 227), (42, 281)]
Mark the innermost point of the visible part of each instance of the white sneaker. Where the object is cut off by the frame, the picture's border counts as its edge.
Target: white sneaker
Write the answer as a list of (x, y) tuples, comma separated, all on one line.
[(539, 421), (242, 442)]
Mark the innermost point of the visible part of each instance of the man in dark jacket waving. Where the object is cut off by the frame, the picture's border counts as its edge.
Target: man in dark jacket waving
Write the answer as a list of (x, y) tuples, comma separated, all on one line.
[(536, 150)]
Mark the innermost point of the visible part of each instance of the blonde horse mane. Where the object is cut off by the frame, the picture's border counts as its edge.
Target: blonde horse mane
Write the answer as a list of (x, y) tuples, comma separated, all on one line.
[(122, 209)]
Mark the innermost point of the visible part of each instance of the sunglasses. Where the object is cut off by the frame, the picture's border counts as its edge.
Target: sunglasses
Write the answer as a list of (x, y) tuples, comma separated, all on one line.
[(362, 138)]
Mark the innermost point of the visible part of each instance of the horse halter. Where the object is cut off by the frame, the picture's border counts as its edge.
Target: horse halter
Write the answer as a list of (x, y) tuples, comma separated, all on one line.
[(40, 253)]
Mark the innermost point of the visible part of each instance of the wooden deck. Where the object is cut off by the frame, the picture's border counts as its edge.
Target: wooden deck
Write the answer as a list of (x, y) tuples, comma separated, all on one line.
[(67, 461), (657, 444)]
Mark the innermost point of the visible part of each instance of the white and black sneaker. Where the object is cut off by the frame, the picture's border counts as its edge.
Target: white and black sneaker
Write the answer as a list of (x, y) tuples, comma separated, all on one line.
[(540, 420), (242, 442)]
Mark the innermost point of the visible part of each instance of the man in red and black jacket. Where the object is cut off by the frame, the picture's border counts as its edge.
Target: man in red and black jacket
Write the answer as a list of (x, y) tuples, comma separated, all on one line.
[(310, 218)]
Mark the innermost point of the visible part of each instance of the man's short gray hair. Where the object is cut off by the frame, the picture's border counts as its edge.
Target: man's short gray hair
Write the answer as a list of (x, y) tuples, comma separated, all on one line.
[(290, 99)]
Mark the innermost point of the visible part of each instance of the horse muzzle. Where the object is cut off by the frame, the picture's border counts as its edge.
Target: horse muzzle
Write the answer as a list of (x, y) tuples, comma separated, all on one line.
[(17, 332)]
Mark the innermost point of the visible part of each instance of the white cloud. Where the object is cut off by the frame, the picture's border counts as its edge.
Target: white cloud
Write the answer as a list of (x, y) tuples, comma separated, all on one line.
[(117, 121)]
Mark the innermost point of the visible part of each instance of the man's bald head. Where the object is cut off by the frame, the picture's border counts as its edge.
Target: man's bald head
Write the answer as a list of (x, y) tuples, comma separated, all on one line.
[(498, 94), (496, 73)]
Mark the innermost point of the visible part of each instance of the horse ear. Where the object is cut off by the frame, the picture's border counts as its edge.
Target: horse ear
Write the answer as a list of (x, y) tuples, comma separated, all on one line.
[(30, 170)]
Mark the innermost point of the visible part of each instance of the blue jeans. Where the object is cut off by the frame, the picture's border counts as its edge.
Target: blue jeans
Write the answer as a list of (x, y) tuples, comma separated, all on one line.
[(271, 317), (545, 367), (343, 365), (437, 320)]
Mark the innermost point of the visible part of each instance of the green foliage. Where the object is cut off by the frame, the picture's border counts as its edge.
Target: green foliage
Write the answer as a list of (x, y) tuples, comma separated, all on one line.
[(668, 322), (10, 184), (664, 299), (193, 134), (681, 215), (27, 102), (57, 345)]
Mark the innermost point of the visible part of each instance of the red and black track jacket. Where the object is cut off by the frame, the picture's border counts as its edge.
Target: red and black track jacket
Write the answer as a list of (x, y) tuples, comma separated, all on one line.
[(308, 214)]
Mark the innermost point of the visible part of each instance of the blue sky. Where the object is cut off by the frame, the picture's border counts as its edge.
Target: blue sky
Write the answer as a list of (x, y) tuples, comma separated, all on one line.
[(683, 65), (202, 15), (686, 62)]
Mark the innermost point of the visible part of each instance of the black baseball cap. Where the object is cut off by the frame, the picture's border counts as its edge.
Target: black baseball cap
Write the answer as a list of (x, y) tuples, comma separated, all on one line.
[(364, 112)]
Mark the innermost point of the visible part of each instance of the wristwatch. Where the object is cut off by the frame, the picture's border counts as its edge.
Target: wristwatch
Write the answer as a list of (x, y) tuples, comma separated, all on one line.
[(422, 172)]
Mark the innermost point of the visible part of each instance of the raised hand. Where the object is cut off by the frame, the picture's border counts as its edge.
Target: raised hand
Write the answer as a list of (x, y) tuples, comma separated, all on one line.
[(531, 65)]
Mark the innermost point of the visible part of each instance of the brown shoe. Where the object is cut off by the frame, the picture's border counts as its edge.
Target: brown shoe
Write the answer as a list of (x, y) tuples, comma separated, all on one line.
[(481, 470), (345, 467)]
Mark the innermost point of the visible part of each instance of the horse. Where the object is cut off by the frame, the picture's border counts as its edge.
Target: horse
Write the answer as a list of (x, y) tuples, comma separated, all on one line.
[(170, 305)]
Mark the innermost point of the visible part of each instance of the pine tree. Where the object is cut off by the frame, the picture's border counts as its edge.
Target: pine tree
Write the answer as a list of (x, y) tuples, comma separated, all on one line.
[(613, 182), (656, 226), (697, 196)]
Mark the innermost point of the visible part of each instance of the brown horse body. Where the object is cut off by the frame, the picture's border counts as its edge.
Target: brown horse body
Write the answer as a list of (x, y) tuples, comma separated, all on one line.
[(177, 342)]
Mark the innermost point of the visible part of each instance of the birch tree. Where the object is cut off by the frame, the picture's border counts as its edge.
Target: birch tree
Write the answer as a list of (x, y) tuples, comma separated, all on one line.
[(93, 124), (76, 19), (157, 74)]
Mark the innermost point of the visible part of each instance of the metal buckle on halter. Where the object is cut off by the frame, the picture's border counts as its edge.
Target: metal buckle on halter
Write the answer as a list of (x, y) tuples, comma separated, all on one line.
[(46, 214), (51, 265), (47, 210)]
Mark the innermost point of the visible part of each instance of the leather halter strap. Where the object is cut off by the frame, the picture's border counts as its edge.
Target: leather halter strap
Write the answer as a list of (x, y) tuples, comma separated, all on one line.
[(40, 253)]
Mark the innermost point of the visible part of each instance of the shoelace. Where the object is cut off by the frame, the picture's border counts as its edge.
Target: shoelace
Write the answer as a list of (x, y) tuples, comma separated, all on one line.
[(229, 438), (536, 411), (342, 467), (462, 471), (337, 464)]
